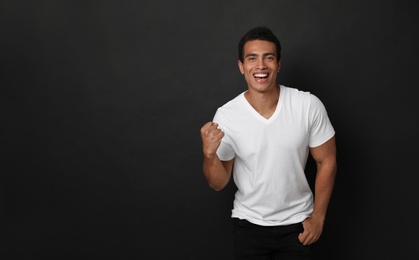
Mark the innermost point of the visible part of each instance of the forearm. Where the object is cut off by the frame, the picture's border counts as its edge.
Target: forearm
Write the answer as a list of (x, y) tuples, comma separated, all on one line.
[(325, 179), (216, 173)]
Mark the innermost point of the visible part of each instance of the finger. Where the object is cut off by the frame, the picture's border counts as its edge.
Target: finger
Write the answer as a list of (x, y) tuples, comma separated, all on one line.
[(217, 134), (213, 130), (214, 136), (210, 126), (207, 126), (304, 238), (213, 126)]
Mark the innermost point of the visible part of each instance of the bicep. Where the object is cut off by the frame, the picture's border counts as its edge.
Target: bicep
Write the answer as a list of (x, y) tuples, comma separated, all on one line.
[(228, 166), (325, 151)]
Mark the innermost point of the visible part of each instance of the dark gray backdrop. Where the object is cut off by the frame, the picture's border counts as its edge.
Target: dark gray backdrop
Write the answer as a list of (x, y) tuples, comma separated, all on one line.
[(102, 102)]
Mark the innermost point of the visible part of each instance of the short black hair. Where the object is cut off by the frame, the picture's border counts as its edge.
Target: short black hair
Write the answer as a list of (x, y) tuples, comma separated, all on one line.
[(259, 33)]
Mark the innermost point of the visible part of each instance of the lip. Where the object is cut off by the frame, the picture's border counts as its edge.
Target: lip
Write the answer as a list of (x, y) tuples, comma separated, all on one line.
[(260, 75)]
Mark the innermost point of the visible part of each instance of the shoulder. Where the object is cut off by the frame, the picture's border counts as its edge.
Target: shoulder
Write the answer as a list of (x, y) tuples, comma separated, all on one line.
[(301, 95), (294, 93), (230, 111), (233, 104), (296, 98)]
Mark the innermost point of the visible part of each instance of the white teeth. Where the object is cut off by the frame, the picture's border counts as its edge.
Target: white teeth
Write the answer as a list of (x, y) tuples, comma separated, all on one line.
[(260, 75)]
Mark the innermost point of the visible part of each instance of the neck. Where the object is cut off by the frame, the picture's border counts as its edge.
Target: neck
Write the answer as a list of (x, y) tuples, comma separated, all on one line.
[(263, 102)]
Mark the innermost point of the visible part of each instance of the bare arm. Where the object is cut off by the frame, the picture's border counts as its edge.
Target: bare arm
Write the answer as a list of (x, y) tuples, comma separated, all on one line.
[(216, 172), (325, 157)]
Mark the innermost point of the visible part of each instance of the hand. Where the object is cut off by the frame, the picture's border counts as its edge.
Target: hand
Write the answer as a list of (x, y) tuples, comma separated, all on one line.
[(312, 231), (211, 138)]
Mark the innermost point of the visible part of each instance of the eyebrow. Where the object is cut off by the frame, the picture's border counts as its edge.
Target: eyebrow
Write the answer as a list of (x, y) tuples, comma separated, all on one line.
[(255, 54)]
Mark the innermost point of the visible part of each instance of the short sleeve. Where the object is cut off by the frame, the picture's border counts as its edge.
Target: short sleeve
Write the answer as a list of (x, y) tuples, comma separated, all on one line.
[(321, 129), (225, 151)]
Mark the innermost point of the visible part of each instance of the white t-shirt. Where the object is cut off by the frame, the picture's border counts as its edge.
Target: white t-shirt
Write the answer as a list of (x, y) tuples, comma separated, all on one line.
[(270, 155)]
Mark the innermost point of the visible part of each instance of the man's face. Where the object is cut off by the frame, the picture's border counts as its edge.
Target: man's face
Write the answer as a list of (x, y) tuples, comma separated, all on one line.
[(260, 65)]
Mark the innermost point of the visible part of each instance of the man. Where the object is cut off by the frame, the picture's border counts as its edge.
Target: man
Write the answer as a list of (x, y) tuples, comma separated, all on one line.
[(267, 132)]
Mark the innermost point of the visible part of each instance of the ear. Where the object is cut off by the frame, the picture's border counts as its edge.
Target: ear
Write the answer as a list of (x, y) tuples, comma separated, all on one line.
[(279, 66), (240, 66)]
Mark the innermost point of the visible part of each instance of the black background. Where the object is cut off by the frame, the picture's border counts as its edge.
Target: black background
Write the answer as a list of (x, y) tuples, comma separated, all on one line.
[(102, 102)]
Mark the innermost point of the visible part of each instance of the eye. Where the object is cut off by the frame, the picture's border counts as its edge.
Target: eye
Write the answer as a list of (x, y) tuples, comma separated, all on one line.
[(270, 58)]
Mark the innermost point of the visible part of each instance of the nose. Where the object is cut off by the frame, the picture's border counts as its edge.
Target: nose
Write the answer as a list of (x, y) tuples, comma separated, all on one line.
[(261, 64)]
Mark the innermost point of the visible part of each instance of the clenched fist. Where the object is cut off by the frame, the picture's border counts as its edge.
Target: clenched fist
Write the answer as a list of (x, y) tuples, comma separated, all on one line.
[(211, 138)]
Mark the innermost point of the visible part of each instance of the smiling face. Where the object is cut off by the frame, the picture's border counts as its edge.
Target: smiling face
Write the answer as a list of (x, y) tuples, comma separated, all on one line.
[(260, 65)]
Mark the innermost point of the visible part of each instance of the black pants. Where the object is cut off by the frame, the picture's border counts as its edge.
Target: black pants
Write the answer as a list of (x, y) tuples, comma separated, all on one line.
[(254, 242)]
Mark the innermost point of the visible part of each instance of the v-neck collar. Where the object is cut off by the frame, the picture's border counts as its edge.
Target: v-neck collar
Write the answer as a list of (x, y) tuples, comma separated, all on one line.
[(259, 116)]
